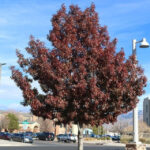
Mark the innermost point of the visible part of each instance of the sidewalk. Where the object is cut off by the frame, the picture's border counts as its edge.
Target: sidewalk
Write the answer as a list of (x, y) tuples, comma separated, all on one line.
[(102, 142), (108, 143), (12, 143)]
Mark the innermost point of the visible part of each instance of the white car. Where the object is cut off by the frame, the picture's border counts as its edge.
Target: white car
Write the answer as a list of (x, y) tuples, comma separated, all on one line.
[(73, 138), (67, 138)]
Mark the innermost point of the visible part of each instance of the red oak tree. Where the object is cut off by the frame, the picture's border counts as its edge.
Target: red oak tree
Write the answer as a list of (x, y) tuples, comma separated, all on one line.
[(83, 79)]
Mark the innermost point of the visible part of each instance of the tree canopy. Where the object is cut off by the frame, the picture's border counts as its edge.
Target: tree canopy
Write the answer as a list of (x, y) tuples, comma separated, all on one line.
[(13, 122), (83, 78)]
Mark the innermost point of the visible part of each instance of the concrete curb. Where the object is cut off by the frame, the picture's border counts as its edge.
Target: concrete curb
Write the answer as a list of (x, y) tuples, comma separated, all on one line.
[(12, 143), (104, 143)]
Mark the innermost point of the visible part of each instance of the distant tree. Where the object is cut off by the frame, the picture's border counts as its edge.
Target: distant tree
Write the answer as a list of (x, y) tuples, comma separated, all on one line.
[(98, 130), (46, 125), (83, 78), (4, 123), (119, 126), (143, 127), (13, 123)]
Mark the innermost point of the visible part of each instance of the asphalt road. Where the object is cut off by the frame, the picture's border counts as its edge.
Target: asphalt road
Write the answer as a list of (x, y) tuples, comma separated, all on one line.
[(53, 145), (45, 145), (62, 148)]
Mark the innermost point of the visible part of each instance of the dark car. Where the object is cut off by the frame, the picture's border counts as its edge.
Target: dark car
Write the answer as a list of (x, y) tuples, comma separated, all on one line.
[(46, 136), (33, 135), (60, 137), (67, 138), (106, 136), (116, 138), (22, 138), (94, 135), (38, 134), (7, 136), (2, 135), (28, 133)]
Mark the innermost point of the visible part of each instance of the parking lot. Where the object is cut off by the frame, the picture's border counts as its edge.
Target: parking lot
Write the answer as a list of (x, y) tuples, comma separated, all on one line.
[(53, 145)]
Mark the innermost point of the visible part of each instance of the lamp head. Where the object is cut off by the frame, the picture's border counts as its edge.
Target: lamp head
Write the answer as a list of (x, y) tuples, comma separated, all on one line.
[(2, 64), (144, 43)]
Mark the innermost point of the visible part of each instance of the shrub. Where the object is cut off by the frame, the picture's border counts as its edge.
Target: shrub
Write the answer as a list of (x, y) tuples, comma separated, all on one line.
[(126, 139)]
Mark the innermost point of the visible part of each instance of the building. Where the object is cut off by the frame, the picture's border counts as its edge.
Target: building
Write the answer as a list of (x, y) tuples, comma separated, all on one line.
[(87, 131), (29, 122), (59, 129), (146, 111), (29, 126), (74, 129)]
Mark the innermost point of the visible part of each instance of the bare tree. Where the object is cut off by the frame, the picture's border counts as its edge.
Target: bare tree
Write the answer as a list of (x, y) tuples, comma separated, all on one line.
[(143, 127), (46, 125), (4, 123), (119, 126)]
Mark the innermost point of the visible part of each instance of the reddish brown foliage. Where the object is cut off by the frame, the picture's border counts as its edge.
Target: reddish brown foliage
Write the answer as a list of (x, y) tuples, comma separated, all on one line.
[(84, 79)]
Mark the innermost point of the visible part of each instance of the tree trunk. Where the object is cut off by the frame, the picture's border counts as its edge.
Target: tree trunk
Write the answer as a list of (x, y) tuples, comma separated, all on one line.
[(80, 137), (66, 129)]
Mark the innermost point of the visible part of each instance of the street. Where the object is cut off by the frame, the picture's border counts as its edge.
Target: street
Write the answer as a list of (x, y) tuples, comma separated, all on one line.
[(60, 148), (53, 145), (44, 145)]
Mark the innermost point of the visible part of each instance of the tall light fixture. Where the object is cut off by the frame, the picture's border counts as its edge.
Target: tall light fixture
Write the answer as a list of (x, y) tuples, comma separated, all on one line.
[(1, 64), (143, 44)]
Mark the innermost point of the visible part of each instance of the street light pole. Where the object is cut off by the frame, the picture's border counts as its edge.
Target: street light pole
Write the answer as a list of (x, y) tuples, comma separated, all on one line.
[(135, 110), (1, 64), (144, 44)]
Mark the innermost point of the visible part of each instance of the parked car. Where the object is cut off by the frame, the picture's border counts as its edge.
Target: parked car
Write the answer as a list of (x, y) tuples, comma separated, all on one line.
[(33, 135), (95, 135), (22, 138), (7, 136), (116, 138), (60, 137), (73, 138), (106, 136), (67, 138), (28, 133), (38, 134), (46, 136), (2, 135)]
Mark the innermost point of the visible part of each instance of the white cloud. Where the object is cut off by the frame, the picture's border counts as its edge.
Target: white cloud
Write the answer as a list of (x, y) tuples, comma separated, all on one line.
[(131, 6), (4, 36), (6, 81), (9, 62), (125, 15), (30, 10), (18, 107), (147, 71), (9, 90), (2, 91)]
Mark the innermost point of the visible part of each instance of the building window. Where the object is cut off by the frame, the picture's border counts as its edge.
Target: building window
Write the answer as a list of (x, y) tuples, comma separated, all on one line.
[(146, 108), (147, 120)]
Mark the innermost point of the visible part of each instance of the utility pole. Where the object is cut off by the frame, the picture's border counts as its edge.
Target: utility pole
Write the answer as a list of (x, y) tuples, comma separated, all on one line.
[(1, 64)]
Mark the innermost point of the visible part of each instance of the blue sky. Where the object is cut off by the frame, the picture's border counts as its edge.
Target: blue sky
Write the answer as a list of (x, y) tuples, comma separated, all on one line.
[(126, 20)]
